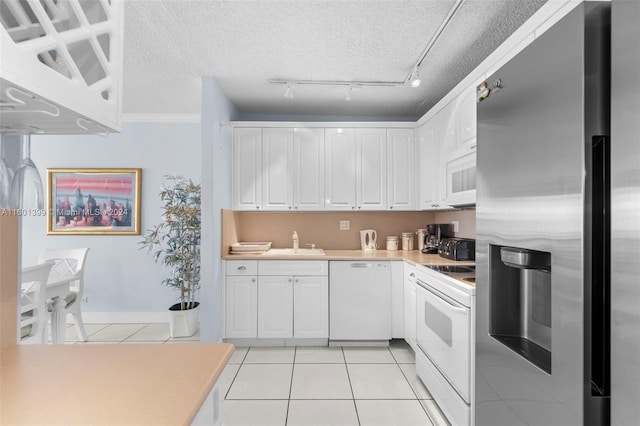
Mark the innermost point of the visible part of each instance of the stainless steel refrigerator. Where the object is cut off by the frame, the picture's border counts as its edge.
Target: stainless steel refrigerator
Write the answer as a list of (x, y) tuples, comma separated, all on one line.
[(558, 226)]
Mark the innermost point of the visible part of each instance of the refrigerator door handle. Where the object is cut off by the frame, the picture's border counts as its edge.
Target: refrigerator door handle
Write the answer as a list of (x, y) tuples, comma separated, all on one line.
[(597, 274)]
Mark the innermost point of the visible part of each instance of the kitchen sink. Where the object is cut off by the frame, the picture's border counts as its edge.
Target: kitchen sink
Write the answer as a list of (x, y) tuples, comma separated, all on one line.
[(295, 252)]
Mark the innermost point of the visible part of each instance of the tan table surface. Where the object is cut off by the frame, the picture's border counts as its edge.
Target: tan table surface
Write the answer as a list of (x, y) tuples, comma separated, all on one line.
[(110, 384), (411, 256)]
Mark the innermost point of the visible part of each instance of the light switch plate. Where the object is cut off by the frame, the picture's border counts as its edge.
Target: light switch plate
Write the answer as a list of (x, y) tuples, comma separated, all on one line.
[(345, 225), (455, 225)]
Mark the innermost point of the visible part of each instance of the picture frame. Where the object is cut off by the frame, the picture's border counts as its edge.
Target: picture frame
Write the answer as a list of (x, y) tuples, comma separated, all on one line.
[(93, 201)]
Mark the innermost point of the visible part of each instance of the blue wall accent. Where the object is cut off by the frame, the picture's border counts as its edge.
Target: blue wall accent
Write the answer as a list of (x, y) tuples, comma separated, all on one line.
[(118, 276)]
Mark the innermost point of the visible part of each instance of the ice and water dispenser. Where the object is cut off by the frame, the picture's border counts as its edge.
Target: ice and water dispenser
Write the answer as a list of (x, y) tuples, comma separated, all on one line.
[(520, 302)]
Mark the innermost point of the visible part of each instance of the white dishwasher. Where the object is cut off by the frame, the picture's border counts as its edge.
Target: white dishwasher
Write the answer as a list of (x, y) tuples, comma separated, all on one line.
[(360, 301)]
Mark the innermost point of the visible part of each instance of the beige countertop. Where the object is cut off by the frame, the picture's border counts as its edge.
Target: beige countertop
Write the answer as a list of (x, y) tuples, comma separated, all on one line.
[(411, 256), (143, 384)]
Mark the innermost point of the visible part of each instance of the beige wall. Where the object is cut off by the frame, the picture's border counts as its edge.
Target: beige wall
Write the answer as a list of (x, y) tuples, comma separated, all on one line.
[(322, 228)]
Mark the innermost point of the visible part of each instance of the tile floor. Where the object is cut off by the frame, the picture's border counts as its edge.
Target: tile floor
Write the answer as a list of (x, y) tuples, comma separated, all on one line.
[(304, 385)]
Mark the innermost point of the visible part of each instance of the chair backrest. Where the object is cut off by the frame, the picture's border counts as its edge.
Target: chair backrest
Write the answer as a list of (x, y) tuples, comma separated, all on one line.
[(33, 303), (68, 263)]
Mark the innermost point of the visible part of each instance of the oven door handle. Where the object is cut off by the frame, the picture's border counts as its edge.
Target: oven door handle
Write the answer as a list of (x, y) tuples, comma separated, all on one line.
[(441, 297)]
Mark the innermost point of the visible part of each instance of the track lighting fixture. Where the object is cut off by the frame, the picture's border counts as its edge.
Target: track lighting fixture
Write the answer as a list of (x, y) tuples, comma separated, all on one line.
[(288, 93)]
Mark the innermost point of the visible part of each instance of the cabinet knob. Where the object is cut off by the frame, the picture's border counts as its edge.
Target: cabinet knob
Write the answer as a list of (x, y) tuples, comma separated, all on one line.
[(289, 280), (242, 268), (296, 207), (297, 280), (253, 280), (353, 207), (257, 207), (390, 207), (412, 274)]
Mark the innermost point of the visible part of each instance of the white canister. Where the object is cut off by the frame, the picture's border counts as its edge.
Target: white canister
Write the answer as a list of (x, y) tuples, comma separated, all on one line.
[(392, 243), (407, 241), (421, 234)]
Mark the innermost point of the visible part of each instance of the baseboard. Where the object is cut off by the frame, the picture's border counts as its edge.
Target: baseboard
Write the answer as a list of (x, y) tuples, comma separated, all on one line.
[(123, 317), (245, 343)]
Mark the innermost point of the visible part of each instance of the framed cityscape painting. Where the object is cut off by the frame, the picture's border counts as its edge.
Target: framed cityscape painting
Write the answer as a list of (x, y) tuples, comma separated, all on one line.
[(93, 201)]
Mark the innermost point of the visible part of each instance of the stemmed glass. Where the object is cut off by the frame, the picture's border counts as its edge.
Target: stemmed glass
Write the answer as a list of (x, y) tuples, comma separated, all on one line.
[(26, 188), (5, 180)]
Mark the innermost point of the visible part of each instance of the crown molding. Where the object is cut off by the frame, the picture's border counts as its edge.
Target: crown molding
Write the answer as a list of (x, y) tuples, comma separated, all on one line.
[(160, 118)]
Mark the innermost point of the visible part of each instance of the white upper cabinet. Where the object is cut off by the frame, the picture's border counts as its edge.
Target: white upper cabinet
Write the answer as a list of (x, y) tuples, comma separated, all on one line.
[(277, 169), (340, 169), (467, 117), (308, 167), (401, 155), (371, 169), (427, 135), (446, 149), (315, 169), (247, 165), (458, 167)]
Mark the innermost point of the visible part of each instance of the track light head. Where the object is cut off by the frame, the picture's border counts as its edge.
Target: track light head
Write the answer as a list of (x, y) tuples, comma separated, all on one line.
[(288, 93), (415, 80)]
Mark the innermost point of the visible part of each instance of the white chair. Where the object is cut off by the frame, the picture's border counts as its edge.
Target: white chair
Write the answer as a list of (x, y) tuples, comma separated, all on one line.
[(34, 312), (69, 263)]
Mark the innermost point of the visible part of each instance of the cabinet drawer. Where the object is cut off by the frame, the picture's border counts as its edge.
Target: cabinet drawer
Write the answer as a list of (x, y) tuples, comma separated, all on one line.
[(293, 267), (242, 267)]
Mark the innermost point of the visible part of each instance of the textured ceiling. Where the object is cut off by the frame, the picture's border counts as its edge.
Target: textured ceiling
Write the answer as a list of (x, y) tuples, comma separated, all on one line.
[(170, 44)]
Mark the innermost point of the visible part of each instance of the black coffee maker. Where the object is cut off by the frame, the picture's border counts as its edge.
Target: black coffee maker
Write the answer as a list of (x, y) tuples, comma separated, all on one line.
[(435, 232)]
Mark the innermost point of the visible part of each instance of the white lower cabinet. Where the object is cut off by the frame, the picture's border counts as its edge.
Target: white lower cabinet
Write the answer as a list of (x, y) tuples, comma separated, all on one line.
[(285, 299), (311, 307), (241, 307), (210, 413), (275, 307), (410, 305)]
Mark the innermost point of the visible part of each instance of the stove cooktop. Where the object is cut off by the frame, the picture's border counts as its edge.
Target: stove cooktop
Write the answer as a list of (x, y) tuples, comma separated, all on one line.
[(464, 273)]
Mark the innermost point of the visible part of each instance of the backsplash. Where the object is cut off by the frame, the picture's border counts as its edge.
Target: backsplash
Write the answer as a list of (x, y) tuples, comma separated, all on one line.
[(322, 228)]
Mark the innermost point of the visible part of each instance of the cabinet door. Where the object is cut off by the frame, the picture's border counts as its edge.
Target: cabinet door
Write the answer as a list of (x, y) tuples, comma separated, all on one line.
[(311, 307), (428, 165), (275, 307), (340, 169), (241, 307), (277, 169), (371, 169), (432, 190), (466, 117), (410, 305), (247, 185), (308, 163), (401, 157), (447, 128)]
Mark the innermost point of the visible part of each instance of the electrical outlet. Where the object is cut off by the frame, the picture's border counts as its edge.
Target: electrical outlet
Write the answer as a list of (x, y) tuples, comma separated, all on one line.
[(345, 225), (455, 225)]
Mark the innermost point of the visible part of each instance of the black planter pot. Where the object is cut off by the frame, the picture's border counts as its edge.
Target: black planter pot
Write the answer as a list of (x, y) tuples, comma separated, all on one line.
[(189, 305)]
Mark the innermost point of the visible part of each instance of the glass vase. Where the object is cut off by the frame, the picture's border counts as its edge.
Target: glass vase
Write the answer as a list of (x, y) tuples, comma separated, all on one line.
[(26, 188)]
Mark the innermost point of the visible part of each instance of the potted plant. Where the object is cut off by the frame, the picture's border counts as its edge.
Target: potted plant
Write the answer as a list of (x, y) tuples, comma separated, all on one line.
[(176, 241)]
